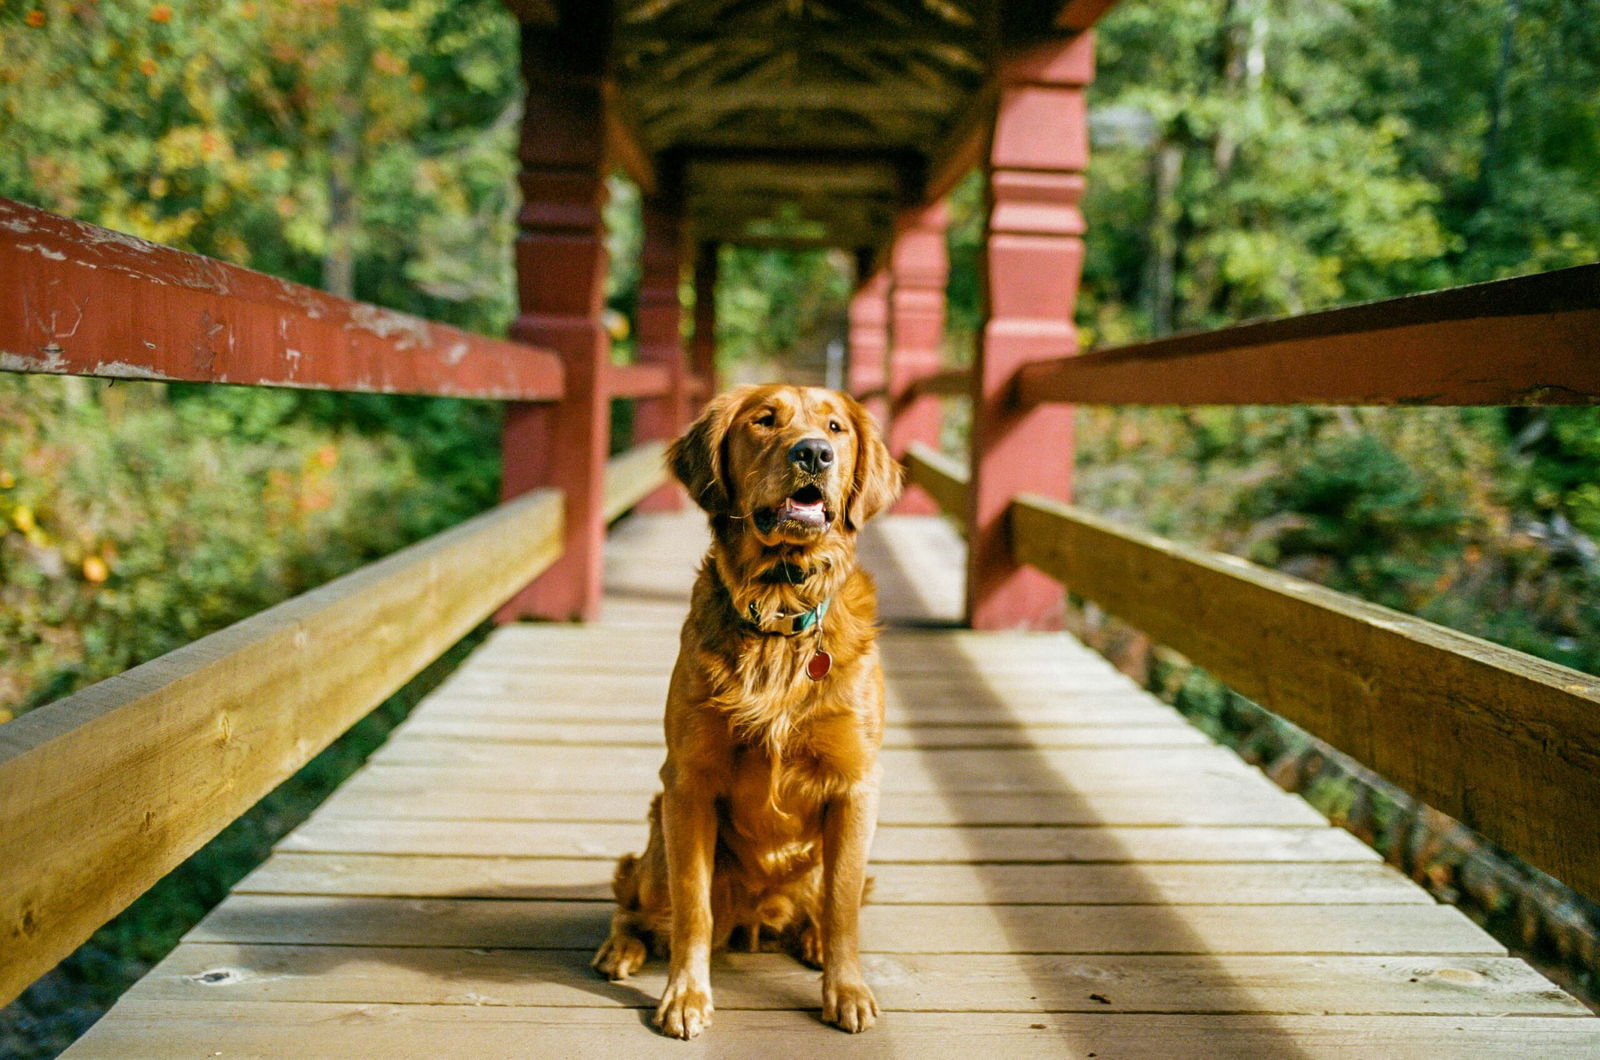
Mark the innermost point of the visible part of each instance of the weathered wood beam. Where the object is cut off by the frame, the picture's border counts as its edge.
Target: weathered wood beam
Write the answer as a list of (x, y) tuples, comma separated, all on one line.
[(1534, 340), (1079, 15), (633, 476), (1032, 260), (104, 792), (944, 477), (84, 300), (920, 266), (561, 271), (1503, 742), (637, 380), (845, 96), (947, 382)]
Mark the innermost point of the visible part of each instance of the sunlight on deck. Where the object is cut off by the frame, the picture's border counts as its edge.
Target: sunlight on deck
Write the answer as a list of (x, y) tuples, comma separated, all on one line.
[(1065, 867)]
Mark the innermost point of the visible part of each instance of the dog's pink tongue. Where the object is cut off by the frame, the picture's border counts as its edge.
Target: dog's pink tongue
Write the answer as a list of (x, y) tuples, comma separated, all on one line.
[(804, 512)]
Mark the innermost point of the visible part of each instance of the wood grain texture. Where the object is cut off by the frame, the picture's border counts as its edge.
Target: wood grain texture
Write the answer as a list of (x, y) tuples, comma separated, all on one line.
[(943, 477), (1533, 340), (1030, 899), (1395, 930), (633, 475), (84, 300), (894, 883), (202, 973), (336, 1031), (103, 792), (1506, 743)]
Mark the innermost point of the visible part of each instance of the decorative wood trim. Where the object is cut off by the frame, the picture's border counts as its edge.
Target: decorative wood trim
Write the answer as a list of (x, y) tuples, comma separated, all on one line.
[(1534, 340), (83, 300), (1505, 743), (104, 792)]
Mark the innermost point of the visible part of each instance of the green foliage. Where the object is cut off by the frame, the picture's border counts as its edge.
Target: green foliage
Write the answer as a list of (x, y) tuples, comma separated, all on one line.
[(1366, 518), (135, 518)]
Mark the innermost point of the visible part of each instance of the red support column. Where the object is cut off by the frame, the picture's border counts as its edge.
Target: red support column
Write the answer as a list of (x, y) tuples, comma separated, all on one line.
[(660, 339), (920, 263), (1031, 267), (703, 346), (561, 272), (867, 376)]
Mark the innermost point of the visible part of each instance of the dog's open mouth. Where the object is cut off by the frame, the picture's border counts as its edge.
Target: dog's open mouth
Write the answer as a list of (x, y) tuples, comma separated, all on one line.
[(804, 507)]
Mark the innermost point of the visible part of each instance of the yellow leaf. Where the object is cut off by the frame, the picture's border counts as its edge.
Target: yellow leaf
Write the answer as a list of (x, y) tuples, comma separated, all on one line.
[(95, 569), (22, 519)]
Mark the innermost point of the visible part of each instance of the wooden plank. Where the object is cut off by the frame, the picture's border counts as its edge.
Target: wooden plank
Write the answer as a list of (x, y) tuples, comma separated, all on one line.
[(204, 973), (1199, 929), (1171, 733), (943, 477), (904, 770), (948, 382), (630, 769), (105, 791), (1505, 743), (638, 380), (632, 476), (894, 883), (908, 844), (400, 794), (1533, 340), (335, 1031), (84, 300)]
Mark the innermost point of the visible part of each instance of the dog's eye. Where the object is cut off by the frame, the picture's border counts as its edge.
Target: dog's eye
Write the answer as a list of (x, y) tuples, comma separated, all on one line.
[(835, 426), (766, 419)]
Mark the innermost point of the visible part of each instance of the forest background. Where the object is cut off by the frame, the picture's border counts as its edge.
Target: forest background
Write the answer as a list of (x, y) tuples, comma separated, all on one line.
[(1251, 158)]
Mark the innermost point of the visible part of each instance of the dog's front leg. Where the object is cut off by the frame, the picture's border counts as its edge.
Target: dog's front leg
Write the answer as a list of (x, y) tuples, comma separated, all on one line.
[(846, 835), (689, 824)]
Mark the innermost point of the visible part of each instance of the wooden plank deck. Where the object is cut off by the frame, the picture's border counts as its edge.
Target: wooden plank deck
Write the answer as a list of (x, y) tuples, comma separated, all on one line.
[(1064, 868)]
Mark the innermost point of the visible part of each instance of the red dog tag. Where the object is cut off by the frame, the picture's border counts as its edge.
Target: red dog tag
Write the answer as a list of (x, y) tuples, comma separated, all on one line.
[(819, 666)]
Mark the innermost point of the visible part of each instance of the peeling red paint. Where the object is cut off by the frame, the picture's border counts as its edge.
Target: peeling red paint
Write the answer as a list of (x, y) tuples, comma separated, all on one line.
[(83, 300)]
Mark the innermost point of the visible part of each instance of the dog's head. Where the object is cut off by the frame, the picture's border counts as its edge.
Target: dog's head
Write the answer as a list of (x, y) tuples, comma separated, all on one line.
[(792, 465)]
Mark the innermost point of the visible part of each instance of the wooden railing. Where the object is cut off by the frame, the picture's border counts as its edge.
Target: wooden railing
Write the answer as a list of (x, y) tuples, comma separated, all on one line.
[(105, 791), (1506, 743)]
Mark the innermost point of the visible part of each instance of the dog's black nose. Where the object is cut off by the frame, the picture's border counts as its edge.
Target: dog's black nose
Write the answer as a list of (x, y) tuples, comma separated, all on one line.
[(812, 454)]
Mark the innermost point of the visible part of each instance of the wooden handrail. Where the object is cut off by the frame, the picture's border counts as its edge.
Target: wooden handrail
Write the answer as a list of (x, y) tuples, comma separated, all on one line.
[(82, 300), (638, 380), (1534, 340), (104, 792), (1506, 743), (948, 382), (632, 476), (943, 477)]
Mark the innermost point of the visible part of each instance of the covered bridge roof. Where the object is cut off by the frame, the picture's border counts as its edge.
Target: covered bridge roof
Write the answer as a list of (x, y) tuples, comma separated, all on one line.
[(808, 122)]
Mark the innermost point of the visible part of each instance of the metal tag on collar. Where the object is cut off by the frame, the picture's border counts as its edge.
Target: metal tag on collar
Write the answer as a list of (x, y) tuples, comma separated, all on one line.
[(819, 665)]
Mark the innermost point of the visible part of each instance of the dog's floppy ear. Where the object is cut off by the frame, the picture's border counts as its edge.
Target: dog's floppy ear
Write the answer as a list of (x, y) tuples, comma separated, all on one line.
[(878, 476), (696, 457)]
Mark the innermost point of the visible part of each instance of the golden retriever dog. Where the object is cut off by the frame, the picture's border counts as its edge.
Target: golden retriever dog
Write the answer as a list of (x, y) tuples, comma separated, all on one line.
[(775, 712)]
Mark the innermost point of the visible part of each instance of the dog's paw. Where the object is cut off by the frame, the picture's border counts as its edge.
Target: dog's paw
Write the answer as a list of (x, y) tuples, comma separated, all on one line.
[(619, 957), (685, 1009), (808, 948), (849, 1006)]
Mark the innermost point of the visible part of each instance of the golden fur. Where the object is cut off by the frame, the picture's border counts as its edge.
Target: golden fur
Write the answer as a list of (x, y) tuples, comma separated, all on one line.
[(770, 785)]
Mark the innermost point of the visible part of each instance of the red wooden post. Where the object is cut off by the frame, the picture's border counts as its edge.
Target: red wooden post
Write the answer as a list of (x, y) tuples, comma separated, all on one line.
[(561, 272), (920, 263), (660, 340), (1034, 255), (703, 346), (866, 377)]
